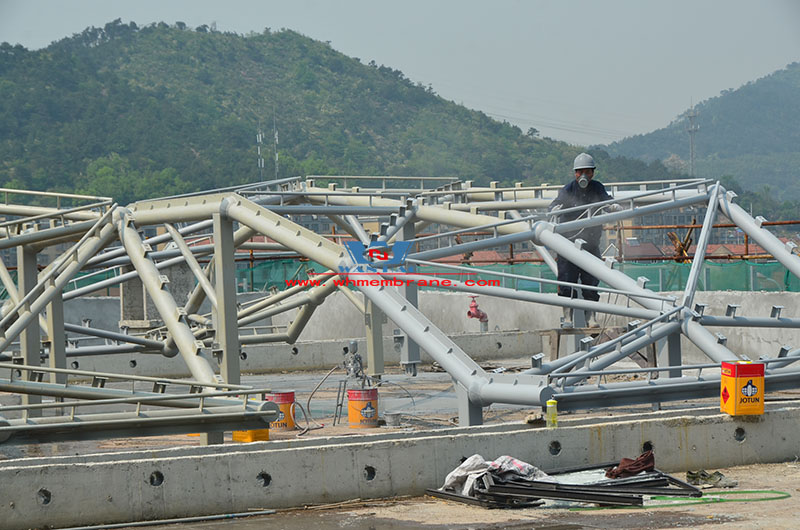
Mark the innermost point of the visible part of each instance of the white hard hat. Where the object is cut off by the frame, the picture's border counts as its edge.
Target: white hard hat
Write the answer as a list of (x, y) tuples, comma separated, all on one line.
[(583, 161)]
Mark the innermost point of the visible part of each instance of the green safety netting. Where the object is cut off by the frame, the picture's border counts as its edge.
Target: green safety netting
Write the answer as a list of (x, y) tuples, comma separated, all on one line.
[(715, 276)]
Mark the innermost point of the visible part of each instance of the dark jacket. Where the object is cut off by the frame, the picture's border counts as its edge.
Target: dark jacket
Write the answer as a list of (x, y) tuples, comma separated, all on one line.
[(571, 196)]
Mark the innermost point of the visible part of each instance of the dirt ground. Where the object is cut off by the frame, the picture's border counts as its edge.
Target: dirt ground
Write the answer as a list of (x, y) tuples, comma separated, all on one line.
[(740, 510), (783, 513)]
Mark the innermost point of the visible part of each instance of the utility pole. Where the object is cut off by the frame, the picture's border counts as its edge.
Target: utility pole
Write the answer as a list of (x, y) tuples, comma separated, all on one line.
[(692, 129)]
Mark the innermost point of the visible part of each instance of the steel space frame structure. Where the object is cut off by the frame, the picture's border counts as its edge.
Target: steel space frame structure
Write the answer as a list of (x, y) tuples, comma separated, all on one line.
[(107, 236)]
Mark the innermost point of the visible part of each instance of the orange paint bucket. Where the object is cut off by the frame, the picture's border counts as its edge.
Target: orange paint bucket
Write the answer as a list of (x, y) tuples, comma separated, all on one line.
[(362, 408), (285, 402)]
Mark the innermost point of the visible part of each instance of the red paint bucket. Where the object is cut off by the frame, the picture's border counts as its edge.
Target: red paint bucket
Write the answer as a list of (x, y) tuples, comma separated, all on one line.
[(285, 402)]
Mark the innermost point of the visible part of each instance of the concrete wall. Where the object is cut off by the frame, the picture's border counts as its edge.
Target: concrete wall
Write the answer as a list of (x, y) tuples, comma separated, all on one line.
[(133, 486), (512, 324)]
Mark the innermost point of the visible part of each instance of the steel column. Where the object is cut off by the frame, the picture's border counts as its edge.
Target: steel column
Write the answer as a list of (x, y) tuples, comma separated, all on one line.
[(409, 350), (227, 331), (56, 337), (29, 337), (373, 325)]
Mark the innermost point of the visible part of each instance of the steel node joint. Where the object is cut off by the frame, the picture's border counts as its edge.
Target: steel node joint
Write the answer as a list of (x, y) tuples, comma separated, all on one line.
[(539, 227)]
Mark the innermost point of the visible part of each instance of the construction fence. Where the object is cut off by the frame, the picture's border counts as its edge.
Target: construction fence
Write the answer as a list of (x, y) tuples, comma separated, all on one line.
[(666, 276), (716, 276)]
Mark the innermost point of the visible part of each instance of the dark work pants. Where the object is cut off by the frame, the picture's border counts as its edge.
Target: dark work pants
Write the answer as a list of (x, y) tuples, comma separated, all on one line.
[(569, 272)]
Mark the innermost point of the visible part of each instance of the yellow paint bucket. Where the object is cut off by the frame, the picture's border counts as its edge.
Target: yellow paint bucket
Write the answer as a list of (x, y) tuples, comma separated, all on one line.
[(362, 408), (256, 435), (285, 402), (742, 388)]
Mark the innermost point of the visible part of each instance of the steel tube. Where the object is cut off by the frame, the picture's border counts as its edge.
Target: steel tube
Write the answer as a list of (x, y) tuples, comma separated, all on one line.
[(606, 218), (109, 349), (700, 253), (82, 253), (195, 267), (567, 249), (526, 296), (646, 339), (105, 334), (195, 359), (561, 365), (656, 390), (750, 322), (482, 388), (116, 280), (160, 238), (358, 230), (270, 300), (768, 242), (42, 236), (87, 392)]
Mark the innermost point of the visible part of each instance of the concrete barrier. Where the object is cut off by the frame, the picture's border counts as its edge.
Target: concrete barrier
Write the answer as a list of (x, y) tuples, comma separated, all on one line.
[(132, 486)]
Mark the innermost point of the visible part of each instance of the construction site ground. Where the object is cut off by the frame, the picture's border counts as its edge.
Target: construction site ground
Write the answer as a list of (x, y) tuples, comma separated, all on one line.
[(424, 401), (428, 402), (432, 513)]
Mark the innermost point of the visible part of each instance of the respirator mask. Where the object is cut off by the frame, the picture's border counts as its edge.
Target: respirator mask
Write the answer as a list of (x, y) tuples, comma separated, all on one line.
[(583, 181)]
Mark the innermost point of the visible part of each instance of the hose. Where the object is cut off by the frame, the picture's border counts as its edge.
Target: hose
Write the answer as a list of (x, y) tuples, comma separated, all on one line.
[(197, 519), (307, 415), (773, 495)]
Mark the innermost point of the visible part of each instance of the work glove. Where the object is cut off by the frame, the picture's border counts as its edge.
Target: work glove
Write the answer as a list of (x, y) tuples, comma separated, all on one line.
[(614, 208)]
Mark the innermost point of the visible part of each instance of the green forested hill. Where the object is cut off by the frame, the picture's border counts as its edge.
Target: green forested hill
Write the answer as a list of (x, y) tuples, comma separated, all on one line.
[(750, 133), (134, 112)]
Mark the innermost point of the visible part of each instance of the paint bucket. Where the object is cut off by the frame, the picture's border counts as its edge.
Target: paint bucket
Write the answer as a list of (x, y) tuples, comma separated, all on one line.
[(362, 408), (285, 402), (256, 435)]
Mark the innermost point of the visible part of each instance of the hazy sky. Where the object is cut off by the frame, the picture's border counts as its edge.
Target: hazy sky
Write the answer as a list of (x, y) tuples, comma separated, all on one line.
[(581, 71)]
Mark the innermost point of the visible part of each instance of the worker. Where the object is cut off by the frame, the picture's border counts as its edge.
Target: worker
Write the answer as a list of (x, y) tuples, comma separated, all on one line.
[(582, 191)]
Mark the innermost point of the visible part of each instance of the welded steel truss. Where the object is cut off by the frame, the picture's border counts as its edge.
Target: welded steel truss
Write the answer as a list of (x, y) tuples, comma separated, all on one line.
[(214, 225)]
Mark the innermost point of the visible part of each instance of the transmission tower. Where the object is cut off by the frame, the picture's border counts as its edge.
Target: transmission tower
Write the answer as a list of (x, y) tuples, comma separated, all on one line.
[(692, 129), (259, 139), (275, 135)]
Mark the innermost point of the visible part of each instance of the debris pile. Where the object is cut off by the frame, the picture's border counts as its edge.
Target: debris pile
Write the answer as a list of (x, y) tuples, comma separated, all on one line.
[(511, 483)]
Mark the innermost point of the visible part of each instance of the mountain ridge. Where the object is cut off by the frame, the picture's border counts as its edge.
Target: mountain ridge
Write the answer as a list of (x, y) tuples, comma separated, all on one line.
[(135, 112)]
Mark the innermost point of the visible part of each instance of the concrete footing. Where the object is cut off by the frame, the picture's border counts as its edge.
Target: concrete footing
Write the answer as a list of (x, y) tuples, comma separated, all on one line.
[(142, 485)]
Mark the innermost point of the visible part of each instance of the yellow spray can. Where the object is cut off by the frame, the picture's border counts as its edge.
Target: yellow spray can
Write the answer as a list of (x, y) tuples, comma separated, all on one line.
[(551, 417)]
